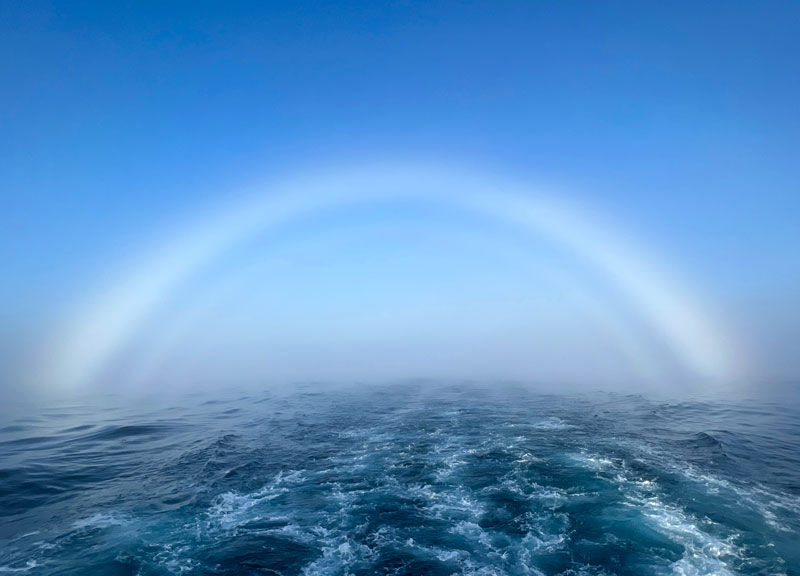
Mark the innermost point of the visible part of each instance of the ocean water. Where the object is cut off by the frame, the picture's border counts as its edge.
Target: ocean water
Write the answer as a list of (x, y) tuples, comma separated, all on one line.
[(411, 479)]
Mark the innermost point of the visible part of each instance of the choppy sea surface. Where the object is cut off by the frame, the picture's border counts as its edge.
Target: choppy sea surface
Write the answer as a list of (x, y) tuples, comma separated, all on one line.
[(412, 479)]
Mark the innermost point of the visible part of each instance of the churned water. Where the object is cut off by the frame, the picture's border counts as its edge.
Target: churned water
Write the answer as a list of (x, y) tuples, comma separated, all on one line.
[(401, 480)]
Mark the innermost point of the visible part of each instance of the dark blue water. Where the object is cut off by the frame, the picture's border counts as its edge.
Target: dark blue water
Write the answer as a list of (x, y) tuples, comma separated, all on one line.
[(401, 480)]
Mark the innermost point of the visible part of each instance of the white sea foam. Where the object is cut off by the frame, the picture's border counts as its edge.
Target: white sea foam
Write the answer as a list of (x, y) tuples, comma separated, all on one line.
[(230, 509), (338, 554), (102, 520), (592, 461), (552, 423), (766, 502), (704, 552), (29, 565)]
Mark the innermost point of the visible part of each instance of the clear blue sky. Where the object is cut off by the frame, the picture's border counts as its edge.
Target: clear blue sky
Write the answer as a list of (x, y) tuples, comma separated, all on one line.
[(681, 119)]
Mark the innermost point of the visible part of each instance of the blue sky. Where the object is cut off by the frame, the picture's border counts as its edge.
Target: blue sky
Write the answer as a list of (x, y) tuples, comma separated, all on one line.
[(678, 120)]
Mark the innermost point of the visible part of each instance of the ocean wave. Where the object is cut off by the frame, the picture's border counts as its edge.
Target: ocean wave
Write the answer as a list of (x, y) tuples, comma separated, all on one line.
[(400, 484)]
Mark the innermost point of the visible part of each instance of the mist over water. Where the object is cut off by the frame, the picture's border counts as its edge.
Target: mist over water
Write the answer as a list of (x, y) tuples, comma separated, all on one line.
[(404, 479)]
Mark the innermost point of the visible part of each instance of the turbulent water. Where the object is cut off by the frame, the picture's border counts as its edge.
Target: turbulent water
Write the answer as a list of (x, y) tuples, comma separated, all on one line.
[(401, 480)]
